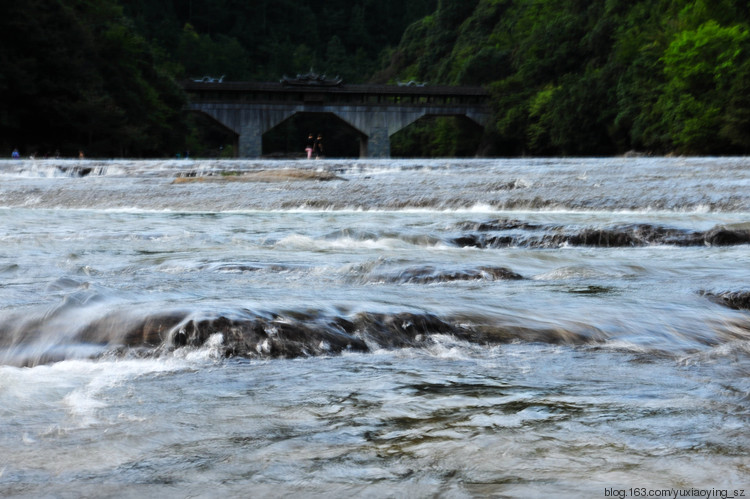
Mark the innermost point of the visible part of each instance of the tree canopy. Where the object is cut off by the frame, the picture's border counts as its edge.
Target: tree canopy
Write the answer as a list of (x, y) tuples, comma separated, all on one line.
[(594, 77), (77, 76), (102, 76)]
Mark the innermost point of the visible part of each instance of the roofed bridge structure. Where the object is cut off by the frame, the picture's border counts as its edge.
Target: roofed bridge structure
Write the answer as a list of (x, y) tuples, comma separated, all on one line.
[(376, 111)]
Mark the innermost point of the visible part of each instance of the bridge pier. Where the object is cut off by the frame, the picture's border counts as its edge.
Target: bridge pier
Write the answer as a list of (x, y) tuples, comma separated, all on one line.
[(251, 141), (377, 144)]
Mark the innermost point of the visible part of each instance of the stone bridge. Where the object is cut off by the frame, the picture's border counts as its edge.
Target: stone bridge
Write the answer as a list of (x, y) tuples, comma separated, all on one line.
[(375, 111)]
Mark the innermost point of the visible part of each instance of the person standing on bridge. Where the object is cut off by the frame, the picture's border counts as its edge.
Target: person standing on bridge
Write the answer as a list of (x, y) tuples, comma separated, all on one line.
[(310, 146), (318, 147)]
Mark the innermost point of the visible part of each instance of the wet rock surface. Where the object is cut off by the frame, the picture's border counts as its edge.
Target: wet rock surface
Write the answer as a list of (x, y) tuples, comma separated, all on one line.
[(269, 335), (738, 300), (625, 235)]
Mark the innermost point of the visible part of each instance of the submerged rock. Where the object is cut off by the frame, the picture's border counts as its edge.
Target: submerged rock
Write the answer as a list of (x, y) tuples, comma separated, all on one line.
[(280, 175), (738, 300), (272, 335), (123, 328), (402, 329), (722, 236), (499, 224), (276, 337), (619, 236), (429, 274)]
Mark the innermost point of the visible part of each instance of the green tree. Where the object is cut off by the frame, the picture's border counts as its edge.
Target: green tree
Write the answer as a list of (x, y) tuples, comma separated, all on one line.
[(701, 67), (593, 77), (335, 58), (736, 120)]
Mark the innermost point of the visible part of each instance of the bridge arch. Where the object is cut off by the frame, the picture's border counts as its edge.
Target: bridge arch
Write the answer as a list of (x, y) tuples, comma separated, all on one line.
[(340, 139), (375, 111), (433, 136), (215, 133)]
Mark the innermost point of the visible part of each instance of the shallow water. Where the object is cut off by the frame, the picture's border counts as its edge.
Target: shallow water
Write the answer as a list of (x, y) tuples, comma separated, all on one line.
[(465, 328)]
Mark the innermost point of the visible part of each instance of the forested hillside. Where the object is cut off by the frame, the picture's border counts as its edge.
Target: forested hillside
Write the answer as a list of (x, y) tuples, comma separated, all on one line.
[(262, 40), (567, 77), (101, 76), (75, 75), (593, 77)]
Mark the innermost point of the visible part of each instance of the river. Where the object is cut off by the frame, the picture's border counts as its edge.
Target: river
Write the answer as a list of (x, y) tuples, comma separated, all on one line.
[(375, 328)]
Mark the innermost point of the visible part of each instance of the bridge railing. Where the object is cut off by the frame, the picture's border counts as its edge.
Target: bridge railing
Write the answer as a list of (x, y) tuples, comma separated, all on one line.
[(345, 94)]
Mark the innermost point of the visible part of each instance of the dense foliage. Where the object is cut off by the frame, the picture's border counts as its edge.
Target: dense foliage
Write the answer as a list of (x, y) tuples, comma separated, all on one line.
[(594, 77), (262, 40), (566, 77), (75, 76), (101, 75)]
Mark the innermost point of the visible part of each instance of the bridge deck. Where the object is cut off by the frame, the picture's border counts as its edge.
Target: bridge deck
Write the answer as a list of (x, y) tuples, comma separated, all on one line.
[(344, 94)]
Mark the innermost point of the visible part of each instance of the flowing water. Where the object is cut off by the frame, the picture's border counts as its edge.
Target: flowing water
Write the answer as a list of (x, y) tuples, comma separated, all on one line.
[(384, 328)]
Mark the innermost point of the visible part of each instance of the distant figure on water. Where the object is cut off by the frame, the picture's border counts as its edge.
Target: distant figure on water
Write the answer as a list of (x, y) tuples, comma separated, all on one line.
[(15, 154), (80, 154), (310, 145), (318, 147)]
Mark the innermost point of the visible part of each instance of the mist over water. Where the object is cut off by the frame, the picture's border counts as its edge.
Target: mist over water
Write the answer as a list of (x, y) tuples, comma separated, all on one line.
[(469, 328)]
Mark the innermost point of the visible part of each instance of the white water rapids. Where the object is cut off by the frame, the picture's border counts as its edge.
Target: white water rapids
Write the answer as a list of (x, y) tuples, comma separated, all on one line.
[(388, 328)]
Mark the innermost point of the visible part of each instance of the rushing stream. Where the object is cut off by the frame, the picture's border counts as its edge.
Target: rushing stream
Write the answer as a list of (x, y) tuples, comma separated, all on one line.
[(385, 328)]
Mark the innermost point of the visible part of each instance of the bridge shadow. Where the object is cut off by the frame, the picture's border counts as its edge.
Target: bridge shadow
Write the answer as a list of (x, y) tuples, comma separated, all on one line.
[(288, 138), (209, 138), (428, 137), (434, 136), (431, 136)]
